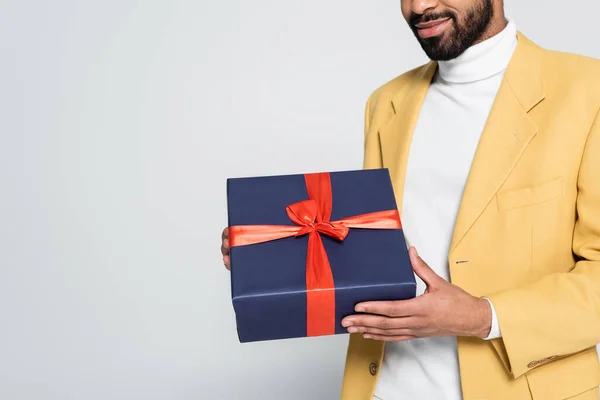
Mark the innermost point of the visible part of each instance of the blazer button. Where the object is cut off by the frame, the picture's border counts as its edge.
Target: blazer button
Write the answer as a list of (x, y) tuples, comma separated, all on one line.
[(373, 369)]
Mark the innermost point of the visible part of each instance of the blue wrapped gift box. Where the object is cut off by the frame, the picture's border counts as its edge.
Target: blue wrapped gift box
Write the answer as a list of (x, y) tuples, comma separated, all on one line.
[(269, 279)]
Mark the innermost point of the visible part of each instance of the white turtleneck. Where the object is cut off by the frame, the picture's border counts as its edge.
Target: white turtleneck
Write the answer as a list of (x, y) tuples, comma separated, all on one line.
[(446, 136)]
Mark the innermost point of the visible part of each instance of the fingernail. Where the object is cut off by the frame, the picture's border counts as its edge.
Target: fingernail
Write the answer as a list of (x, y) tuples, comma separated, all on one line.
[(346, 324), (360, 309), (368, 336), (352, 330)]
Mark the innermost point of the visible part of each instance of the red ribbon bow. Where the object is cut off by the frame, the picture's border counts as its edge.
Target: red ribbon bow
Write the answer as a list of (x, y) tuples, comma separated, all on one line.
[(312, 217)]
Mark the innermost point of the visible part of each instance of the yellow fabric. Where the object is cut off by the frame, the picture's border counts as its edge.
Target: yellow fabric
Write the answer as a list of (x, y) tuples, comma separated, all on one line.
[(529, 223)]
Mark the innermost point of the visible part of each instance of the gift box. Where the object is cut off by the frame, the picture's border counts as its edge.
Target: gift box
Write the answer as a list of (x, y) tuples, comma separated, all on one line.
[(306, 248)]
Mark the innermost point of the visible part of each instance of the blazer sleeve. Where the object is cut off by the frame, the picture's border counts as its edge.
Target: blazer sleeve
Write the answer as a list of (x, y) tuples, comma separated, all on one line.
[(558, 315)]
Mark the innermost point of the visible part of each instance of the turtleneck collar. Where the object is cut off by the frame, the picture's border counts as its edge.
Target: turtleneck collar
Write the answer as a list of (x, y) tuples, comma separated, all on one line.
[(482, 60)]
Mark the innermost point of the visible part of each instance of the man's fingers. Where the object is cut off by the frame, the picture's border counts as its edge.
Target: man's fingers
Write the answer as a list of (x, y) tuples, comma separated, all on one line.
[(379, 322), (381, 332), (400, 308), (225, 247), (423, 270), (226, 262)]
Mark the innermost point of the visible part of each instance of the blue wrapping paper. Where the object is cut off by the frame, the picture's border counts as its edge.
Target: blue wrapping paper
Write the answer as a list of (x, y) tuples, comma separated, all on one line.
[(268, 280)]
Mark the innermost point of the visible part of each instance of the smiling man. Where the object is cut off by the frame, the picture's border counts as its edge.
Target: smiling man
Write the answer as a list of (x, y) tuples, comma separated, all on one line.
[(494, 152)]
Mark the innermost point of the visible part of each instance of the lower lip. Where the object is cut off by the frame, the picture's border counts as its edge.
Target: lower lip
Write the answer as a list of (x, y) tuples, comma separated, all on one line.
[(433, 30)]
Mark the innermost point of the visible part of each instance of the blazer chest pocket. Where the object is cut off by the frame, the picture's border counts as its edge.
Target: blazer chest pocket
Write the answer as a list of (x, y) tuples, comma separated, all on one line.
[(529, 196)]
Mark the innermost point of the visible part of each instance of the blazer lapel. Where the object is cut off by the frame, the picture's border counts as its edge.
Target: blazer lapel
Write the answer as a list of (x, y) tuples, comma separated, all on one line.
[(396, 136), (508, 132)]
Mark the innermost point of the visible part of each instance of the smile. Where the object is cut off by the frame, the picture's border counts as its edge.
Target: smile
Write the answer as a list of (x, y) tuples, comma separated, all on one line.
[(432, 28)]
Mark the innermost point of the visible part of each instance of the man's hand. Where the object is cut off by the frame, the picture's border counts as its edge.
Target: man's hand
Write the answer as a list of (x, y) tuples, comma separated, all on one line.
[(443, 310), (225, 247)]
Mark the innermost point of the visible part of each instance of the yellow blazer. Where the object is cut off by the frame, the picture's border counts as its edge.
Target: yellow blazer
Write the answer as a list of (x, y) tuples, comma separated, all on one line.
[(528, 225)]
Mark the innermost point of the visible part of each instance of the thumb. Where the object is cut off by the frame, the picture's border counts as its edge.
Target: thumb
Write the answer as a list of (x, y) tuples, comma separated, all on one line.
[(423, 270)]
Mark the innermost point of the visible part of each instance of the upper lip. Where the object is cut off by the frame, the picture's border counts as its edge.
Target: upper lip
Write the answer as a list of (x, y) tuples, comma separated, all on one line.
[(429, 24)]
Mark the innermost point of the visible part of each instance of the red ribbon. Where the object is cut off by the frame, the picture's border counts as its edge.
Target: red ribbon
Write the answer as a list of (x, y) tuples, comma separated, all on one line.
[(312, 217)]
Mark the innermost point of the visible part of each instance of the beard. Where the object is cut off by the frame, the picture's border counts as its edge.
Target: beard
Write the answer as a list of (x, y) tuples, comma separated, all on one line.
[(460, 36)]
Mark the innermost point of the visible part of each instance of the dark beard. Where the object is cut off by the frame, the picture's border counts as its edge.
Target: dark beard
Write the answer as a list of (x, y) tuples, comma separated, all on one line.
[(460, 36)]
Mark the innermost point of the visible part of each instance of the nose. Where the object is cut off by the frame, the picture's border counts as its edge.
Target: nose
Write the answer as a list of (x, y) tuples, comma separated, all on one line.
[(422, 6)]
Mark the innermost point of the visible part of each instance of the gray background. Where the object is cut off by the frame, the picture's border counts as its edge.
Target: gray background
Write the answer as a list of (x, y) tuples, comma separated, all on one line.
[(120, 121)]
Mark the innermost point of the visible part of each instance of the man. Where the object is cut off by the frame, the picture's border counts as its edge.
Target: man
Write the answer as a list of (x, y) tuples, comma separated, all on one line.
[(494, 152)]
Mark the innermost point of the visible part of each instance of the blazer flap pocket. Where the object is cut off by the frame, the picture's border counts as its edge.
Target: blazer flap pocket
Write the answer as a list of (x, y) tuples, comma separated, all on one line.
[(529, 196), (566, 377)]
